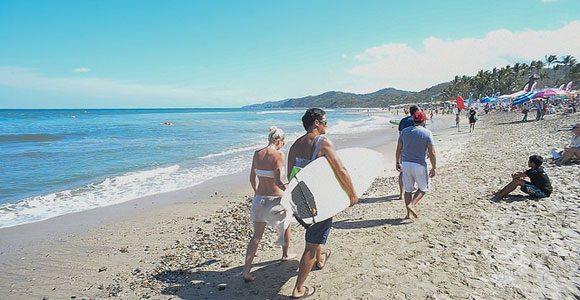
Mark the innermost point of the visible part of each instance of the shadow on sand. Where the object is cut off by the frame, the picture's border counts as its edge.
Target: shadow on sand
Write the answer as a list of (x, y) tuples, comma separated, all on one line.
[(377, 200), (348, 224), (515, 198), (515, 122), (228, 284)]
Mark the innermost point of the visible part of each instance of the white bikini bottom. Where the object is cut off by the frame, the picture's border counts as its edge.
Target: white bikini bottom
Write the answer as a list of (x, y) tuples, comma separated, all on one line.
[(268, 209)]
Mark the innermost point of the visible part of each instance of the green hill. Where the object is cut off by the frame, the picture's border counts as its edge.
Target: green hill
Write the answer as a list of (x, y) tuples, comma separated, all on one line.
[(553, 73), (380, 98)]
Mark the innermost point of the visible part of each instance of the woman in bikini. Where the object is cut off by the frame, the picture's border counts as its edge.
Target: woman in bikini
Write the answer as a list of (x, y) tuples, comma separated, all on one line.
[(267, 166)]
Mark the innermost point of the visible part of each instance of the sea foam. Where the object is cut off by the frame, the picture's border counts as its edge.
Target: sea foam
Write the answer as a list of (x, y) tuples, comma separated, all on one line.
[(112, 191)]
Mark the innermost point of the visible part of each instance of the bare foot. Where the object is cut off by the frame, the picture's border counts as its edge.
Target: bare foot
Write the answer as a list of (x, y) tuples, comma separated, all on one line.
[(326, 255), (288, 257), (248, 277), (412, 212)]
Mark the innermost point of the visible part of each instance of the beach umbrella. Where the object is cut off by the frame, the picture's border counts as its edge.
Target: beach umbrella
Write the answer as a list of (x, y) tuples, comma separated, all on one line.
[(488, 99), (519, 93), (524, 98), (548, 92)]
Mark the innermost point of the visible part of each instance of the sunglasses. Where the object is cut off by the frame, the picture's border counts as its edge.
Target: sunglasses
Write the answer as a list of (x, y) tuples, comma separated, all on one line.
[(323, 122)]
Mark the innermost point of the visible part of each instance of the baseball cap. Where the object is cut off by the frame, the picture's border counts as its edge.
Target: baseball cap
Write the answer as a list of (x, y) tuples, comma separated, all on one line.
[(419, 116)]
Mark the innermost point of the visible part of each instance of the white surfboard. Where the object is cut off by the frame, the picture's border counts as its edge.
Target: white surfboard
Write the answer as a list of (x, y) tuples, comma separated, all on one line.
[(315, 194)]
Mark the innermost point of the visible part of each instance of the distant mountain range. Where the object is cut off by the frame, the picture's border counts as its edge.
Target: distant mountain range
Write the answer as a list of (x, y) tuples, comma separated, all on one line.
[(380, 98)]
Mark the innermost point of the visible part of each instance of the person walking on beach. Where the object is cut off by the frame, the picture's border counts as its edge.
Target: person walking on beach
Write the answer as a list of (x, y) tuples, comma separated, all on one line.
[(539, 110), (267, 166), (538, 186), (457, 121), (306, 149), (412, 147), (472, 119), (525, 111), (404, 123)]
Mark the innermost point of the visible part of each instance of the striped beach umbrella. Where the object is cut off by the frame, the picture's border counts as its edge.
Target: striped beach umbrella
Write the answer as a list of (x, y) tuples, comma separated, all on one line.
[(524, 98), (546, 92)]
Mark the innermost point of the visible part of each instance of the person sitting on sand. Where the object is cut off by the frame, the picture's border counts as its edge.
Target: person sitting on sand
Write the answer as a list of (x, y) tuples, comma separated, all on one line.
[(538, 186), (267, 166), (306, 149), (572, 150), (412, 147)]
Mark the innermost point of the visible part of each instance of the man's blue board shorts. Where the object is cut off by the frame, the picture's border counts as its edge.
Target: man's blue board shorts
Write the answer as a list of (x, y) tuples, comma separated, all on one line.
[(533, 190), (318, 233)]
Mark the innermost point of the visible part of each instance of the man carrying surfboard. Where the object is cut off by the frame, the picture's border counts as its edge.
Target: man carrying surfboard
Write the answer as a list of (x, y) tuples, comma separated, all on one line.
[(307, 148), (412, 147)]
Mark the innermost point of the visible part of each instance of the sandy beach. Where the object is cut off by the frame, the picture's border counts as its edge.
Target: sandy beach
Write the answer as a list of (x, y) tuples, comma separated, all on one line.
[(191, 244)]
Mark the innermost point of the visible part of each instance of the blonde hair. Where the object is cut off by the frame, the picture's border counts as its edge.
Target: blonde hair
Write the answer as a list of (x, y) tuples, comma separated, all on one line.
[(275, 134)]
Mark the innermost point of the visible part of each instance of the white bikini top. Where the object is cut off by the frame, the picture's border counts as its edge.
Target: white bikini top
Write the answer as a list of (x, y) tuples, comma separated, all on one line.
[(265, 173)]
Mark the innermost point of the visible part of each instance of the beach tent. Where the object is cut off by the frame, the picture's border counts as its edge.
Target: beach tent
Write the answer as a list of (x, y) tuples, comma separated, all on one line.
[(524, 98)]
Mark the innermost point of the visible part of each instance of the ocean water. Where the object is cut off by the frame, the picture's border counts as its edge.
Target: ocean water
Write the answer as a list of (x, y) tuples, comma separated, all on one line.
[(54, 162)]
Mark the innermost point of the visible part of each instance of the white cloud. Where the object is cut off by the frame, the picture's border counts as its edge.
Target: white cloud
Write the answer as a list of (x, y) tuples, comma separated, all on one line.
[(22, 78), (81, 70), (403, 67)]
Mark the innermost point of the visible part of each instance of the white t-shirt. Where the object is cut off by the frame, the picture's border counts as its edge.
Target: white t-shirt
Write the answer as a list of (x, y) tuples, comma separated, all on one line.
[(575, 142)]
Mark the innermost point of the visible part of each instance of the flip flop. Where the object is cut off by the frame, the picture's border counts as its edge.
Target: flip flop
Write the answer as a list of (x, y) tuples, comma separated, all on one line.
[(327, 254), (309, 291)]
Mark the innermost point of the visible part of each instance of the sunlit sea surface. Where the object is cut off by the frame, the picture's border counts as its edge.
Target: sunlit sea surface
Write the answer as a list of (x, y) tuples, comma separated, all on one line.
[(54, 162)]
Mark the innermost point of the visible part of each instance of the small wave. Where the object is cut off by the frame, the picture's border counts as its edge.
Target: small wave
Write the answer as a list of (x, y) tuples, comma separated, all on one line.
[(114, 190), (267, 112), (363, 125), (231, 151), (29, 138), (107, 192)]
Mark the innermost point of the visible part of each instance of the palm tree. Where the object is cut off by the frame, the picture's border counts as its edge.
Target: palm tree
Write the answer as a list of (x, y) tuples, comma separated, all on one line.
[(568, 60), (551, 59), (575, 74)]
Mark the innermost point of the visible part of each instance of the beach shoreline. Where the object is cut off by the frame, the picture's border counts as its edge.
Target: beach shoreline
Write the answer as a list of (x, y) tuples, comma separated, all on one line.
[(462, 246), (198, 202), (24, 236)]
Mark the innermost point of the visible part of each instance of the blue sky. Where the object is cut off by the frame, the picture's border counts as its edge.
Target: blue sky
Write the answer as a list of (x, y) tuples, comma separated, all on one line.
[(112, 54)]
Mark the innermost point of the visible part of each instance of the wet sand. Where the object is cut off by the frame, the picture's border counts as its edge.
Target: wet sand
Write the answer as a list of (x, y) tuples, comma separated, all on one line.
[(462, 246)]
